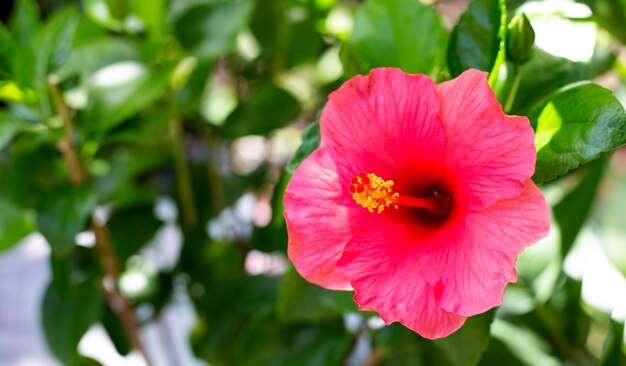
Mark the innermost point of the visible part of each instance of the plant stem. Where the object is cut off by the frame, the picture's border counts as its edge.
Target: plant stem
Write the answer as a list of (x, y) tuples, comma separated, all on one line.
[(183, 177), (66, 145), (78, 176), (517, 78)]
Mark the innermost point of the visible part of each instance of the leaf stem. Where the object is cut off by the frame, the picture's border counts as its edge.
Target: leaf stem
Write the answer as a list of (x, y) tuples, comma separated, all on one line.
[(78, 176), (183, 177)]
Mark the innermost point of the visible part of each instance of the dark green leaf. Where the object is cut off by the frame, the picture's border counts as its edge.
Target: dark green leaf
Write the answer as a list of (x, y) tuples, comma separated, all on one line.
[(573, 127), (24, 22), (15, 223), (210, 30), (611, 15), (64, 215), (400, 33), (300, 301), (572, 211), (8, 48), (67, 318), (310, 142), (131, 228), (466, 345), (84, 361), (266, 110), (477, 41), (115, 329), (613, 346)]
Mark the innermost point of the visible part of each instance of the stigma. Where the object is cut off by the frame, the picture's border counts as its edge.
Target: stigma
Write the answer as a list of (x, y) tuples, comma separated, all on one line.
[(372, 192)]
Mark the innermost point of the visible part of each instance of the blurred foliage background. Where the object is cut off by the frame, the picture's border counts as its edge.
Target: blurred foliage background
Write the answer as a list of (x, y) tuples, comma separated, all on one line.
[(149, 142)]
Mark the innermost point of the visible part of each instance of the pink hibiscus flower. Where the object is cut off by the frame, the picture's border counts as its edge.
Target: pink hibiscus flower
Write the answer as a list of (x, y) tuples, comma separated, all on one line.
[(419, 198)]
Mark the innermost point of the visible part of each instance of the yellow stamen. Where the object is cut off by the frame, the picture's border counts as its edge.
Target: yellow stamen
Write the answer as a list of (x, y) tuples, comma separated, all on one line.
[(372, 192), (376, 194)]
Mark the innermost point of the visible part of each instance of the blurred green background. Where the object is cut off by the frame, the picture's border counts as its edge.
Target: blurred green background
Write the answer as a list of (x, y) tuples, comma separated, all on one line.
[(149, 143)]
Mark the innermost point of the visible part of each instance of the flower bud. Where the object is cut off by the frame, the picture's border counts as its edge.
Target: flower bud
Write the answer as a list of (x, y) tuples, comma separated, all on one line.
[(520, 38)]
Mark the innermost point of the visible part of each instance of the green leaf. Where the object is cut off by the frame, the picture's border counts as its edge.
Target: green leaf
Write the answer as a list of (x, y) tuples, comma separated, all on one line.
[(466, 345), (524, 345), (58, 35), (48, 49), (24, 22), (310, 142), (9, 127), (64, 215), (286, 41), (84, 361), (66, 318), (210, 30), (8, 48), (543, 75), (115, 329), (477, 41), (110, 103), (266, 110), (152, 14), (613, 353), (15, 223), (611, 15), (300, 301), (131, 228), (573, 127), (273, 236), (101, 13), (401, 33), (87, 59), (572, 211)]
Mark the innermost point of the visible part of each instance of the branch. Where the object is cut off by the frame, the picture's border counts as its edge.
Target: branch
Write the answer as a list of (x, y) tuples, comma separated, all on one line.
[(78, 176)]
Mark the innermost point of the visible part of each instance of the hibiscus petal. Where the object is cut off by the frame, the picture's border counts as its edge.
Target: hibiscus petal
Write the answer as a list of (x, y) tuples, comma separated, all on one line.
[(391, 116), (386, 278), (489, 154), (470, 261), (321, 215)]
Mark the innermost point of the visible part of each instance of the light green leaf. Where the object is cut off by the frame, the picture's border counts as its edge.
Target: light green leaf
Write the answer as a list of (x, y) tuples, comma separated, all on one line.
[(310, 142), (400, 33), (573, 127), (119, 91)]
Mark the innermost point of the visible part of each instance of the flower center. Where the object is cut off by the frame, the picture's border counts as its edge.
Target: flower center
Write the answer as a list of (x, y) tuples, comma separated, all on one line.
[(376, 194)]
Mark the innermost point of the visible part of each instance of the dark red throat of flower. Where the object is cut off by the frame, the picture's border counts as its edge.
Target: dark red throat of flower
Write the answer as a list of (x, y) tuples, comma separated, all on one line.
[(376, 194)]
